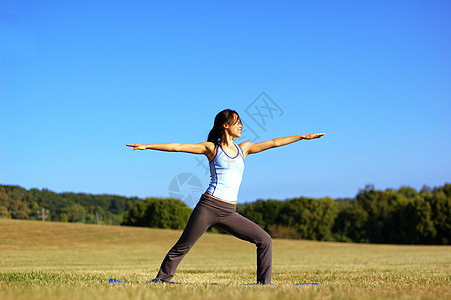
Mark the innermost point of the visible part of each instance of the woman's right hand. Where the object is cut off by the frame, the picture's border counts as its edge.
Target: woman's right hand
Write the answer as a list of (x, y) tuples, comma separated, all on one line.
[(137, 146)]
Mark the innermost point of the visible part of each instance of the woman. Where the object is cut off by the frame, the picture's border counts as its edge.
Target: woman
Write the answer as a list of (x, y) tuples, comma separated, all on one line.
[(217, 205)]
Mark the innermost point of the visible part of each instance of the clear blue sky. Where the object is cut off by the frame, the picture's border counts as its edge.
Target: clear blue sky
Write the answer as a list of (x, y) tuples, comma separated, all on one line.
[(80, 79)]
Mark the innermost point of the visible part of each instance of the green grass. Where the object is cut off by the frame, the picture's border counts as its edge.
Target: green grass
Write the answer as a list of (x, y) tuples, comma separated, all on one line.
[(73, 261)]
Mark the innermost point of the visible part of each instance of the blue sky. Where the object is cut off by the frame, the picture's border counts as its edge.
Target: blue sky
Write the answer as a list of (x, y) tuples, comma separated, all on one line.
[(80, 79)]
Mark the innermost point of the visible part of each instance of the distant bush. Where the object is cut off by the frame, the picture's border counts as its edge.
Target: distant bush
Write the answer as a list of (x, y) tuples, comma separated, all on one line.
[(159, 213), (305, 218), (283, 232)]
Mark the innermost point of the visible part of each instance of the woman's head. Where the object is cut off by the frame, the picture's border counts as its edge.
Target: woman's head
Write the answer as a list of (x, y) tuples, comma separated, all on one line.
[(226, 117)]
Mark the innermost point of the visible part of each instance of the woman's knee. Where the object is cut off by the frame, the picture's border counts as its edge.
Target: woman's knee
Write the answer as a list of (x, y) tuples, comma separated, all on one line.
[(265, 240)]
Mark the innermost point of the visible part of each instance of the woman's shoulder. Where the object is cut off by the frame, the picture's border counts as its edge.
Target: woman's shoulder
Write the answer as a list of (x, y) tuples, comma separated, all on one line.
[(245, 145), (209, 146), (211, 150), (245, 148)]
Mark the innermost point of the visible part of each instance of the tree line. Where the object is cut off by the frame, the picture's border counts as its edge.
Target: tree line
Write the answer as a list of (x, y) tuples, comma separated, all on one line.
[(19, 203), (403, 216)]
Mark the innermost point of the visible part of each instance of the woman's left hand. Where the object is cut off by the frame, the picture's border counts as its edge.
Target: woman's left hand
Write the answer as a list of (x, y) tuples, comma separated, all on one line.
[(313, 136)]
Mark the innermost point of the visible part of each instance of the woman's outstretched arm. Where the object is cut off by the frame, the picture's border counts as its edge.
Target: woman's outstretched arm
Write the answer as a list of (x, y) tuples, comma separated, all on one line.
[(201, 148), (251, 148)]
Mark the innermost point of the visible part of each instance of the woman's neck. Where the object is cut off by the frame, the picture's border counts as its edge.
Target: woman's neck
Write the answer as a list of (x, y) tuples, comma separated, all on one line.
[(227, 141)]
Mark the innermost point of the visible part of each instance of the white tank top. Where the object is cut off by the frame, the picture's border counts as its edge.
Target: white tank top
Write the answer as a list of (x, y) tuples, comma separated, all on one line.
[(226, 173)]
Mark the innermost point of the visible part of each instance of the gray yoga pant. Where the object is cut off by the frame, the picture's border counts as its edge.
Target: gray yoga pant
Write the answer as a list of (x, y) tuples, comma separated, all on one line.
[(210, 211)]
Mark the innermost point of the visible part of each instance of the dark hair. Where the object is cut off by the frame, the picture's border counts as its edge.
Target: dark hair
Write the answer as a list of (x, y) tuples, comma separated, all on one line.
[(227, 116)]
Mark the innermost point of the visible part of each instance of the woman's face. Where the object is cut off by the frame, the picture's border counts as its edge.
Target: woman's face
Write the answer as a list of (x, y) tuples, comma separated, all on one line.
[(235, 129)]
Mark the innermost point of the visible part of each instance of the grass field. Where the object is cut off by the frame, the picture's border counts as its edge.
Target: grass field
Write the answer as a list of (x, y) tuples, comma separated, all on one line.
[(42, 260)]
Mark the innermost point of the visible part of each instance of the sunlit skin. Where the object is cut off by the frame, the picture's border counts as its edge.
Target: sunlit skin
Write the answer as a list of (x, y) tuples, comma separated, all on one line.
[(230, 132)]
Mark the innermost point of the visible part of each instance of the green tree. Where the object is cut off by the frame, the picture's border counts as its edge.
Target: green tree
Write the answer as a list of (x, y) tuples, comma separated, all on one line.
[(64, 217), (263, 212), (325, 215), (350, 224), (75, 212), (158, 213), (440, 203), (379, 207), (4, 213)]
